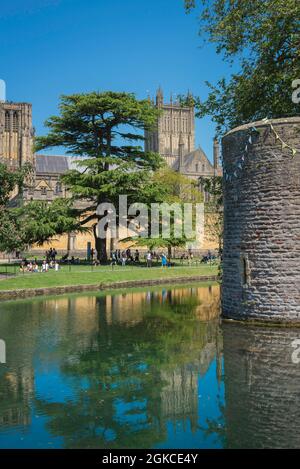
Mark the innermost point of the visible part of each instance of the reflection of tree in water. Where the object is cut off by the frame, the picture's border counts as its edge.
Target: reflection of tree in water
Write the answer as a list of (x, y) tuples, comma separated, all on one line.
[(124, 381)]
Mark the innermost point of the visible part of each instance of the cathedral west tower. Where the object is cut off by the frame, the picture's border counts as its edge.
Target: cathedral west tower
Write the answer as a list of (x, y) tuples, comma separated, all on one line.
[(16, 134)]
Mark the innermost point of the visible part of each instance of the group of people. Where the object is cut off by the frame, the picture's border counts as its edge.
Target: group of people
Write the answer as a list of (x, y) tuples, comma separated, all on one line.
[(209, 257), (118, 257), (127, 256), (51, 255), (29, 266)]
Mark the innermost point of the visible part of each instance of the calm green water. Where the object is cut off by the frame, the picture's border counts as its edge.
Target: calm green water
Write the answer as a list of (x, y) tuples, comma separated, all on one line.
[(144, 369)]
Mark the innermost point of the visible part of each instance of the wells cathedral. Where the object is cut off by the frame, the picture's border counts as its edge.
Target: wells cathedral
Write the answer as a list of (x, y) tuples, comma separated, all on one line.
[(173, 139)]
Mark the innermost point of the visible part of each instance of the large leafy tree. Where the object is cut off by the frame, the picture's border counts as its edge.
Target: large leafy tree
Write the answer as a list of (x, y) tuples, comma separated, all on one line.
[(214, 219), (263, 39), (10, 184), (35, 222), (174, 188), (106, 129), (40, 221)]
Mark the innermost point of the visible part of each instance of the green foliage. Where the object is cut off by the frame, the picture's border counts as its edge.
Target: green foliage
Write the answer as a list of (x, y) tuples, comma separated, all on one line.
[(263, 38), (35, 222), (39, 221), (172, 187), (10, 182), (214, 218)]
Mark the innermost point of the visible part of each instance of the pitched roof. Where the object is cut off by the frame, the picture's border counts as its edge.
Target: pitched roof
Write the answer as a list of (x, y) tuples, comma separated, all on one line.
[(57, 164), (193, 157), (51, 164)]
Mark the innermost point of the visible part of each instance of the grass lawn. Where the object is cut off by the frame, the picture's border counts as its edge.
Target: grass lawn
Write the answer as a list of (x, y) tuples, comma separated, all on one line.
[(84, 275)]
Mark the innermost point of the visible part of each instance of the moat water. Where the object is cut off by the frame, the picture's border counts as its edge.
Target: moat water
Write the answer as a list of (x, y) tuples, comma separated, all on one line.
[(148, 368)]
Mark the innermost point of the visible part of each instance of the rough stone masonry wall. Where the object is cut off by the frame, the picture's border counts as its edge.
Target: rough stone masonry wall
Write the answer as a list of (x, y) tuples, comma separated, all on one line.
[(261, 276)]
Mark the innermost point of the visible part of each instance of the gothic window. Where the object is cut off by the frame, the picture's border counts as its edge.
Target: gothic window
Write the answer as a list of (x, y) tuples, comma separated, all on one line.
[(15, 122), (7, 122), (203, 168), (44, 191), (196, 167)]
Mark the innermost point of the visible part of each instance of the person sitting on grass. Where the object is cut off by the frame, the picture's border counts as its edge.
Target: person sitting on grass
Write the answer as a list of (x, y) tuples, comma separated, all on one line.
[(45, 266)]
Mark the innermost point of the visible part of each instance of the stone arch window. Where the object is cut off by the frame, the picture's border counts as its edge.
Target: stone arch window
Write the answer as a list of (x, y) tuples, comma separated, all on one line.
[(58, 188), (44, 190), (15, 121), (245, 270), (7, 121), (196, 167)]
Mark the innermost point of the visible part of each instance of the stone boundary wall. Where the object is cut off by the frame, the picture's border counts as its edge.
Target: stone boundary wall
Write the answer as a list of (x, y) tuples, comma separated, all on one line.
[(32, 292), (261, 259)]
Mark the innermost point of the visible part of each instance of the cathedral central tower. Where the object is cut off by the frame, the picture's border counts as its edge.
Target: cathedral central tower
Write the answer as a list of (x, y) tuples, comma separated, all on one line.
[(175, 132)]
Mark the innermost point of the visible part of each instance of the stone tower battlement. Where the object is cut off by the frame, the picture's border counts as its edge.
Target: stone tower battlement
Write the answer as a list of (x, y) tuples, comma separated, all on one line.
[(261, 259)]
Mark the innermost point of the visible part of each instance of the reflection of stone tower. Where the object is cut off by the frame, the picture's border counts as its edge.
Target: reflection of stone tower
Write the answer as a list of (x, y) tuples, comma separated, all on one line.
[(179, 397), (262, 387), (16, 134), (175, 130)]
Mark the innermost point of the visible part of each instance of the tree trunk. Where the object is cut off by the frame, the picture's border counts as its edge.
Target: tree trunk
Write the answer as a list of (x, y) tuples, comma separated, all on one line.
[(101, 249), (169, 253), (100, 245)]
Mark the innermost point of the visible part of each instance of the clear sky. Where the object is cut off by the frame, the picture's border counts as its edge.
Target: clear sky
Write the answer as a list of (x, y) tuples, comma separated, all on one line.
[(54, 47)]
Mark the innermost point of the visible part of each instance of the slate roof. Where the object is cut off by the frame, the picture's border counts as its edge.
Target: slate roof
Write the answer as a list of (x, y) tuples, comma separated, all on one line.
[(54, 164), (51, 164)]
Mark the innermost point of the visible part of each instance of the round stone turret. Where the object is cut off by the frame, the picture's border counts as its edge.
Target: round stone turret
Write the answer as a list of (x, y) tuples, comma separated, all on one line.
[(261, 259)]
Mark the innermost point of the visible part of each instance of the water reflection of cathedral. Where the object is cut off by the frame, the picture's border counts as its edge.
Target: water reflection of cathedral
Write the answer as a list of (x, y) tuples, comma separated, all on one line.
[(80, 319), (18, 389)]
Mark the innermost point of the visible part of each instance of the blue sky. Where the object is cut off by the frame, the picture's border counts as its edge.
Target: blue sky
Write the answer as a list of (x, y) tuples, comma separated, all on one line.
[(54, 47)]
